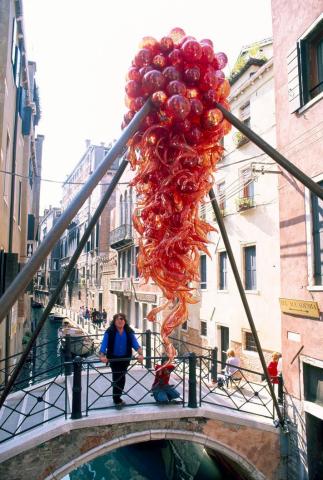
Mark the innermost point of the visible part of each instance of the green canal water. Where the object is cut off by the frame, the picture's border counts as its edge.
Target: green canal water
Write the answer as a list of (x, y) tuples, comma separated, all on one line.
[(156, 460)]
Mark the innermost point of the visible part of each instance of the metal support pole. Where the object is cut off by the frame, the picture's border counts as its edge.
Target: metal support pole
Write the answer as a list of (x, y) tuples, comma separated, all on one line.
[(148, 349), (67, 355), (29, 270), (192, 403), (272, 152), (280, 389), (64, 278), (77, 389), (244, 300), (214, 364)]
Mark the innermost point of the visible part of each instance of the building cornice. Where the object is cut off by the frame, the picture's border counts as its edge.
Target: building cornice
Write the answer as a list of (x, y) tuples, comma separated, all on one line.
[(250, 82)]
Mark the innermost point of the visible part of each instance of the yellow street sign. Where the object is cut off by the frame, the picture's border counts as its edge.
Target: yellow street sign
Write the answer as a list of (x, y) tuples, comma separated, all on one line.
[(299, 307)]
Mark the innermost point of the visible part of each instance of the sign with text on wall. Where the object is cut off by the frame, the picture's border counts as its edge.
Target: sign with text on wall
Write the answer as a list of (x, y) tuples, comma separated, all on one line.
[(299, 307)]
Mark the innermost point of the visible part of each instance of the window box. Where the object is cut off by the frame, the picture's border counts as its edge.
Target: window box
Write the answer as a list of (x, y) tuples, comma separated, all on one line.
[(244, 203), (240, 139)]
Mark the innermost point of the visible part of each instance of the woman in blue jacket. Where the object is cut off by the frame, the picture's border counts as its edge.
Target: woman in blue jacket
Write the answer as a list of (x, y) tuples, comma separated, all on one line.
[(116, 349)]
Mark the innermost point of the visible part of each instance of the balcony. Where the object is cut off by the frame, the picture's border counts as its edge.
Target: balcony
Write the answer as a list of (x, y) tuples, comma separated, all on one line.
[(121, 285), (244, 203), (121, 237)]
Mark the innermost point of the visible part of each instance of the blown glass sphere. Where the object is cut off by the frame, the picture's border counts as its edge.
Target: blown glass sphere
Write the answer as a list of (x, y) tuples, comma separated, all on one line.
[(178, 106), (192, 50), (166, 44), (192, 75), (153, 81), (176, 88), (212, 118), (222, 59), (171, 73)]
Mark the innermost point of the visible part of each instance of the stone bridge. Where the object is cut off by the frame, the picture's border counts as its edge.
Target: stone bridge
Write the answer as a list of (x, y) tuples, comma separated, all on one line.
[(251, 445)]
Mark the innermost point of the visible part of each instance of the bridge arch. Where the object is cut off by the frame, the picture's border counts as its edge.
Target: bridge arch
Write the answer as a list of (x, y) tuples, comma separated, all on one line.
[(161, 434), (252, 445)]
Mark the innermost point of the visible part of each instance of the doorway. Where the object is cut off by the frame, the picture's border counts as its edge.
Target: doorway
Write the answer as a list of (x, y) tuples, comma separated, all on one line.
[(224, 344)]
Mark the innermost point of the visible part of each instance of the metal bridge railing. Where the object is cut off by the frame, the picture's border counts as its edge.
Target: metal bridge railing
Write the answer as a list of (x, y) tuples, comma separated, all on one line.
[(85, 385)]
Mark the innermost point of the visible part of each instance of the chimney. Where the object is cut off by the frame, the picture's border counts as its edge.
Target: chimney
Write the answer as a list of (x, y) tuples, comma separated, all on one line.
[(87, 143)]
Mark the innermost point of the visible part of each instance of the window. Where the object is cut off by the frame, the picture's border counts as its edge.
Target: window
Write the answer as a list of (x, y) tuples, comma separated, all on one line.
[(313, 383), (305, 67), (203, 284), (137, 314), (31, 173), (19, 203), (126, 207), (221, 196), (203, 329), (311, 63), (317, 222), (129, 263), (6, 167), (202, 211), (247, 190), (250, 267), (250, 342), (136, 267), (223, 271), (121, 210), (245, 114), (124, 263)]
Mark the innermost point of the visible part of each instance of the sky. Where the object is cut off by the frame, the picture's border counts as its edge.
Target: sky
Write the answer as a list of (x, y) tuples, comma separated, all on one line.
[(83, 49)]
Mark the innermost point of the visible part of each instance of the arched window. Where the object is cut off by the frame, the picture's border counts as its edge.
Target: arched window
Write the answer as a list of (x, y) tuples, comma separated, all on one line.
[(130, 206), (126, 209), (121, 210)]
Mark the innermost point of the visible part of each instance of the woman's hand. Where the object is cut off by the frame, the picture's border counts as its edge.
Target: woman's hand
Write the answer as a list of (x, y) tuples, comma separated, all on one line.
[(140, 356), (103, 358)]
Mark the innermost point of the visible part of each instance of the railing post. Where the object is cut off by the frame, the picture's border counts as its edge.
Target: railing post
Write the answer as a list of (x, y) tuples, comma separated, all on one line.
[(68, 355), (192, 403), (214, 364), (280, 396), (148, 349), (77, 389)]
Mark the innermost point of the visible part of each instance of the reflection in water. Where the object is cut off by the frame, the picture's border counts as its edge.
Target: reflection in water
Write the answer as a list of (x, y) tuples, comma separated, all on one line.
[(157, 460), (42, 359)]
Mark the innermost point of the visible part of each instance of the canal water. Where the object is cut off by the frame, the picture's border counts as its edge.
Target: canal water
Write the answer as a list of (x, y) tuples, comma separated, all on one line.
[(156, 460), (45, 358)]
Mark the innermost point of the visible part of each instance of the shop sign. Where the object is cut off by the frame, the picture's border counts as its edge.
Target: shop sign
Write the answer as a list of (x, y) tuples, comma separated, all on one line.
[(299, 307), (146, 297)]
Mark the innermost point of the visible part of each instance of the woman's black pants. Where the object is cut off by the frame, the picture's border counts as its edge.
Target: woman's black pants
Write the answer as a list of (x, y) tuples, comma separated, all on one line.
[(119, 370)]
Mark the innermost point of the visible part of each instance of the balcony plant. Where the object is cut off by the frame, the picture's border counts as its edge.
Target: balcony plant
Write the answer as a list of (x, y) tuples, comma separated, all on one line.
[(243, 203), (239, 139)]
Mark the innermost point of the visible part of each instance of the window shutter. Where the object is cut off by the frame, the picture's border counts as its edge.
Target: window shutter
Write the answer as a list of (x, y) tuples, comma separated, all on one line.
[(31, 227), (293, 79)]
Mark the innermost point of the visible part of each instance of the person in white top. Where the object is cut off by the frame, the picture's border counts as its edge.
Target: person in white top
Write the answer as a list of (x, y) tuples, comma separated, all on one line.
[(232, 366)]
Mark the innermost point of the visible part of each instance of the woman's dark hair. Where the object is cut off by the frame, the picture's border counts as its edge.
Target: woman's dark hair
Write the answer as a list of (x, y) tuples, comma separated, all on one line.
[(122, 315), (117, 315)]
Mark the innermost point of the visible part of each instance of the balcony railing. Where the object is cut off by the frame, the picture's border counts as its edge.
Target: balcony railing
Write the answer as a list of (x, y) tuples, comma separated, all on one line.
[(121, 236), (120, 285), (244, 203)]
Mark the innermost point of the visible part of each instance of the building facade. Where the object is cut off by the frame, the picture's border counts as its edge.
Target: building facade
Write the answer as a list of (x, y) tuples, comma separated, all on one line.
[(88, 284), (130, 295), (49, 273), (298, 47), (20, 167), (246, 187)]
